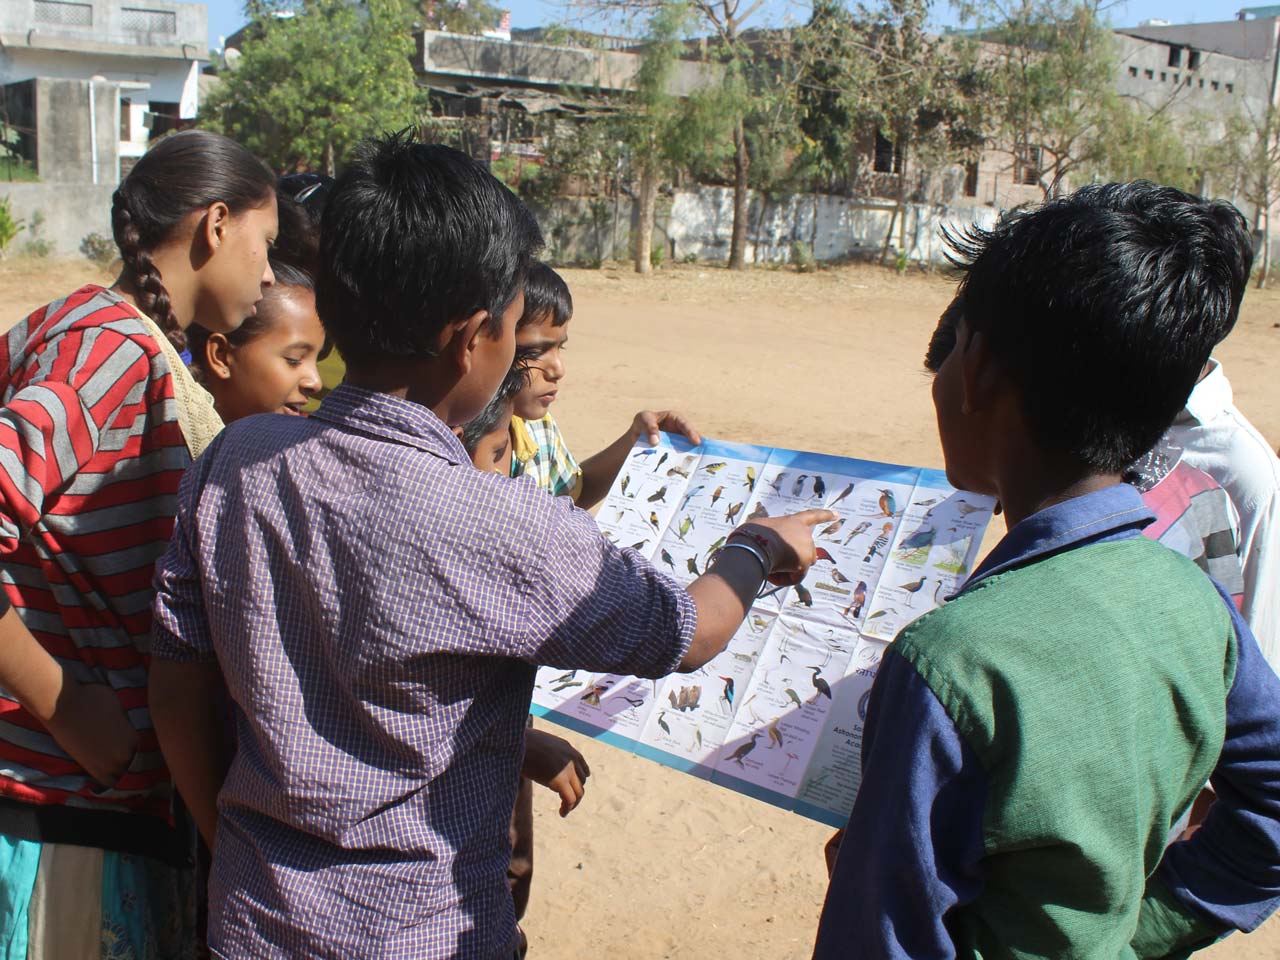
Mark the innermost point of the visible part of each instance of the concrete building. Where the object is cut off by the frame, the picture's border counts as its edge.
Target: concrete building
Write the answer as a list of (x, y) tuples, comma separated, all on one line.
[(57, 57)]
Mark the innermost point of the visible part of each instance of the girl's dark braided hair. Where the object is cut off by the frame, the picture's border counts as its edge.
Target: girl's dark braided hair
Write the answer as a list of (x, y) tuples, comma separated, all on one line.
[(185, 171)]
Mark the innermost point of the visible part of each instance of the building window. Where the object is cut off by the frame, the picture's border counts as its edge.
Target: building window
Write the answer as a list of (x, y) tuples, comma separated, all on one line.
[(64, 14), (1193, 60), (126, 120), (1202, 83), (1028, 172), (141, 20), (1133, 71), (971, 178), (1164, 77), (888, 158), (1177, 79), (1175, 56), (1213, 84), (1231, 88), (1150, 74)]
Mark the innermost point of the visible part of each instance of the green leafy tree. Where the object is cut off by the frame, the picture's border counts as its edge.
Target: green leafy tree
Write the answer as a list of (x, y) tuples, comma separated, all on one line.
[(1050, 90), (663, 131), (1247, 159), (311, 85)]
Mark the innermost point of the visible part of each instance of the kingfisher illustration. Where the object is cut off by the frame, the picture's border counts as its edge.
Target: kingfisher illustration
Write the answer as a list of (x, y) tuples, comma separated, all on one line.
[(727, 695), (738, 755), (888, 505)]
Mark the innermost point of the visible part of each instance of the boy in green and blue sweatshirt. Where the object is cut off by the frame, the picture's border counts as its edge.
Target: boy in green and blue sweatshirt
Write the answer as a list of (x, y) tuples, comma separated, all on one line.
[(1030, 745)]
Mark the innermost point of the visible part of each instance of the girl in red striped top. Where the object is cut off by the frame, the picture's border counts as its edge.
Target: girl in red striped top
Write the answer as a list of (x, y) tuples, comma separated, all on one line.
[(100, 417)]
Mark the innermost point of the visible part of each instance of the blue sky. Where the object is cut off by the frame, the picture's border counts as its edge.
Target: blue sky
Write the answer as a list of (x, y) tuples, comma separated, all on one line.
[(225, 16)]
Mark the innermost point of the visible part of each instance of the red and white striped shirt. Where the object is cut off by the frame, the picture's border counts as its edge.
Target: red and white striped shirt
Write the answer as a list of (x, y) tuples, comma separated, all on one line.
[(91, 454)]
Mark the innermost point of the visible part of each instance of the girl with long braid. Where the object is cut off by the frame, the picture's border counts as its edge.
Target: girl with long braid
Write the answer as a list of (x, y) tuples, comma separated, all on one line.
[(99, 420)]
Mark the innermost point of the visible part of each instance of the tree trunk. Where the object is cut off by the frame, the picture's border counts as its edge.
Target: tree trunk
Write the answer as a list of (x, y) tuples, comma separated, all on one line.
[(1266, 250), (644, 228), (741, 166), (330, 166)]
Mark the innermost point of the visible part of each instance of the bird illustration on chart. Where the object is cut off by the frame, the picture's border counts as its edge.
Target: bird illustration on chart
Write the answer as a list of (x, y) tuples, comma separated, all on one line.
[(564, 678), (639, 545), (719, 492), (626, 482), (714, 468), (592, 696), (793, 697), (691, 494), (653, 520), (660, 496), (799, 484), (667, 559), (854, 609), (751, 479), (741, 753), (841, 496), (803, 595), (678, 472), (888, 504), (775, 734), (915, 548), (879, 543), (912, 588), (831, 529), (662, 460), (776, 482), (662, 723), (683, 530), (790, 758), (857, 531), (726, 694), (692, 564), (688, 698), (838, 577), (878, 614), (732, 512), (820, 686), (715, 547), (821, 555), (757, 512), (819, 487), (964, 508)]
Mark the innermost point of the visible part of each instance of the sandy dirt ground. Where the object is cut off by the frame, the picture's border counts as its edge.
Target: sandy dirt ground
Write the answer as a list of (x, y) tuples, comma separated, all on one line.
[(657, 864)]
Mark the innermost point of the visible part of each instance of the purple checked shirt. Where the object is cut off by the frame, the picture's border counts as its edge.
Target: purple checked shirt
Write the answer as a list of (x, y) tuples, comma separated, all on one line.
[(377, 606)]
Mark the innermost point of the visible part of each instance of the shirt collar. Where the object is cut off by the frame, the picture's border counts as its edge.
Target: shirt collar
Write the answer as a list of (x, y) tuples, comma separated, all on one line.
[(1210, 397), (392, 418), (1112, 513), (523, 446)]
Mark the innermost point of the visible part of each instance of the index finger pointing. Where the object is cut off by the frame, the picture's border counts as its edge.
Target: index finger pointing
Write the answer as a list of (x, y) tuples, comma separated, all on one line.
[(814, 517)]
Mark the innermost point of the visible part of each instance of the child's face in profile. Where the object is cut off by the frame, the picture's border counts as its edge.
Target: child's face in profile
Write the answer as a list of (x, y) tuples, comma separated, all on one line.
[(493, 451), (544, 345), (275, 372)]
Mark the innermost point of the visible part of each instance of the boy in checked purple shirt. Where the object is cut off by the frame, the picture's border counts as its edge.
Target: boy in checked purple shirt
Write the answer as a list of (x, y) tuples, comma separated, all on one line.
[(376, 605)]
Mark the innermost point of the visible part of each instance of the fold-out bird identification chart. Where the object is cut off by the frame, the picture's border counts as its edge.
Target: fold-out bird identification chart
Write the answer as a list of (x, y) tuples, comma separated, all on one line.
[(779, 714)]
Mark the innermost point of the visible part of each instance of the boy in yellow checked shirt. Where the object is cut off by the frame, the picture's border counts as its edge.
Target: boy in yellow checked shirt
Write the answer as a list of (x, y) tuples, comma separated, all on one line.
[(538, 449)]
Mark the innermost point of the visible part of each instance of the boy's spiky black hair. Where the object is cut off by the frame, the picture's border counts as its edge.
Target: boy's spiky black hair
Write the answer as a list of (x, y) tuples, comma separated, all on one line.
[(1103, 307), (414, 237)]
